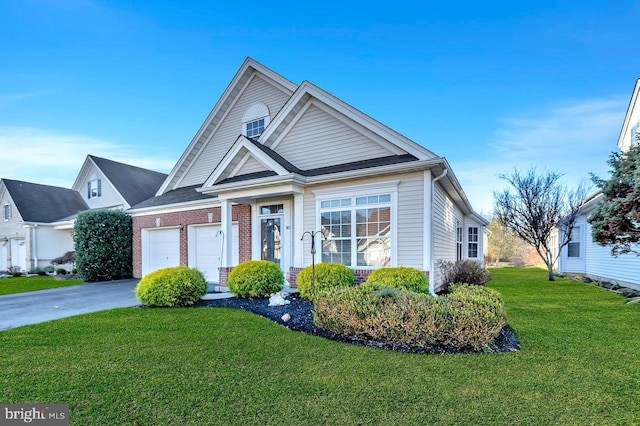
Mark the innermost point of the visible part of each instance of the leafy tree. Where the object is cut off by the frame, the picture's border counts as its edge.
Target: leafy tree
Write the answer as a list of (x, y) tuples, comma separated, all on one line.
[(102, 241), (538, 206), (616, 220)]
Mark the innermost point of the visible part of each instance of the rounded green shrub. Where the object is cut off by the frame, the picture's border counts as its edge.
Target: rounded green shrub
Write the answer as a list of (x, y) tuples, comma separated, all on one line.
[(172, 287), (402, 277), (470, 318), (328, 276), (256, 278)]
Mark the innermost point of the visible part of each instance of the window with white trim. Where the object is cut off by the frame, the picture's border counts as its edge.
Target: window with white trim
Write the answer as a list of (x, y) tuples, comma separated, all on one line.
[(459, 240), (255, 119), (254, 128), (6, 211), (472, 240), (94, 188), (573, 248), (357, 230)]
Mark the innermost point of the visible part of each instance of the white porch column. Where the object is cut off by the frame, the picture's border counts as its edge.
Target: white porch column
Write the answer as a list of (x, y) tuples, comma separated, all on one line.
[(225, 226), (298, 229)]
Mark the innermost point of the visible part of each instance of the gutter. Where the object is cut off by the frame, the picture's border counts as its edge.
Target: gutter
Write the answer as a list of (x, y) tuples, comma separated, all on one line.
[(432, 290)]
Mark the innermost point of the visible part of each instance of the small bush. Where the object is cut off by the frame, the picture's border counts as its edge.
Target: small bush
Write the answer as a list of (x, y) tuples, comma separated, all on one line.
[(463, 271), (37, 271), (68, 257), (172, 287), (403, 278), (49, 269), (328, 276), (256, 278), (470, 318), (16, 274), (61, 271)]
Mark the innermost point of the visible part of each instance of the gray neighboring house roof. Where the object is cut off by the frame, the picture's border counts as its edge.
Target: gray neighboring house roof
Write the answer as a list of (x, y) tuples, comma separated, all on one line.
[(44, 203), (135, 184), (176, 196)]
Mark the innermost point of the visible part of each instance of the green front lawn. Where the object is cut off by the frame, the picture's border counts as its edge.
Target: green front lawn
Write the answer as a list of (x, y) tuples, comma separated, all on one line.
[(194, 366), (23, 284)]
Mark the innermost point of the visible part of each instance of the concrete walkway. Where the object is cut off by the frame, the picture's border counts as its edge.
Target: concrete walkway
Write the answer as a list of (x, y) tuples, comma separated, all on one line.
[(35, 307)]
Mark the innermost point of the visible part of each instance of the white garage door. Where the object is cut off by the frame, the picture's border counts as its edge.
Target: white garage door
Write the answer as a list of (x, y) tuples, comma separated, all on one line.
[(205, 249), (160, 249)]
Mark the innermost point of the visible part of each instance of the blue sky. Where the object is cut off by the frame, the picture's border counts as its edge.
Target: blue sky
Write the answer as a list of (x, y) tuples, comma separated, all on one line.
[(490, 86)]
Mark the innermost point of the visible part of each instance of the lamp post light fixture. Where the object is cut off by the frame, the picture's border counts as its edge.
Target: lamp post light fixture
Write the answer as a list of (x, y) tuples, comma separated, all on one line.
[(313, 256)]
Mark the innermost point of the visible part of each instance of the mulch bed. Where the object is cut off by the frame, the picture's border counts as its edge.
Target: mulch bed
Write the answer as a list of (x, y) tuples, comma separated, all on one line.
[(302, 320)]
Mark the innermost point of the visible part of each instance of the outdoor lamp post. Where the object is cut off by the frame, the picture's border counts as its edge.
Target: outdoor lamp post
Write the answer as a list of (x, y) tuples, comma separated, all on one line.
[(313, 256)]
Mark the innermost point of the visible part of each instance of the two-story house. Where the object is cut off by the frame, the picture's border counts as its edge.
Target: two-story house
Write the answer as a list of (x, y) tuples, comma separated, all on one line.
[(37, 220)]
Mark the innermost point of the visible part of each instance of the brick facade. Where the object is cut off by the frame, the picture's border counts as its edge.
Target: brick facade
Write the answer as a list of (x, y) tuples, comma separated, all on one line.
[(240, 213)]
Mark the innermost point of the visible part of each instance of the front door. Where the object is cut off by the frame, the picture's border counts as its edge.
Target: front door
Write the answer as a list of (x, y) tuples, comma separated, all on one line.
[(271, 233)]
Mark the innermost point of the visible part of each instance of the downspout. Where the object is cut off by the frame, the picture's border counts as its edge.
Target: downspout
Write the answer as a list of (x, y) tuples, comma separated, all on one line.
[(34, 242), (432, 290)]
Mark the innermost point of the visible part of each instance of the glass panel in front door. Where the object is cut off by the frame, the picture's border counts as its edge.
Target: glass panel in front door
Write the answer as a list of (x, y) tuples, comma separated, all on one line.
[(270, 237)]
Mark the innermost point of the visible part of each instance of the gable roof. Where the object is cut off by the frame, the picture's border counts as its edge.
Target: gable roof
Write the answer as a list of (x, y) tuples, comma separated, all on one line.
[(44, 203), (134, 184), (217, 114), (187, 194), (379, 131)]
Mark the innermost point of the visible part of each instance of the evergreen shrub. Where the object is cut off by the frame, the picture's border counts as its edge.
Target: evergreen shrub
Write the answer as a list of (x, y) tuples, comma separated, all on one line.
[(255, 278), (328, 276), (172, 287), (402, 277), (103, 241), (469, 318)]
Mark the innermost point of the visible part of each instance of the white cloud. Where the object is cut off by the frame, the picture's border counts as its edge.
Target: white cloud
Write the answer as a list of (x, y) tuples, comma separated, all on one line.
[(575, 139), (54, 158)]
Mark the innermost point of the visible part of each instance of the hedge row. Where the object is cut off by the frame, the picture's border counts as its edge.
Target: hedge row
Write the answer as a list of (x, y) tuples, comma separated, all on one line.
[(470, 317)]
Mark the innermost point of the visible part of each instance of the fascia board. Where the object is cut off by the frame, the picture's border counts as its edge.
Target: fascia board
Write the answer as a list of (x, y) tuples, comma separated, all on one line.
[(234, 151), (84, 171), (290, 178), (632, 105)]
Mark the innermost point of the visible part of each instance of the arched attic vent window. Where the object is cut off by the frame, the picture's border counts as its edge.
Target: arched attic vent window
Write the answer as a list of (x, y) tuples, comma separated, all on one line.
[(255, 119)]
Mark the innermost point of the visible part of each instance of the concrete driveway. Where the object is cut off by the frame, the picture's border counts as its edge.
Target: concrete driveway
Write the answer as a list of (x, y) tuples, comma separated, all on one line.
[(35, 307)]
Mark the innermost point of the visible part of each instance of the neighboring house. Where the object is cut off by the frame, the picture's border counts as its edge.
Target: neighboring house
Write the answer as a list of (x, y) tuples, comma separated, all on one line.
[(274, 160), (37, 220), (583, 256), (33, 227), (108, 184)]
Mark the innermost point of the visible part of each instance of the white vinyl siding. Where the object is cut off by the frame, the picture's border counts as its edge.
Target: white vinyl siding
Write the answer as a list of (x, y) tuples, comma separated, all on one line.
[(408, 244), (624, 269), (228, 131), (318, 140), (108, 198), (250, 166), (410, 220), (445, 214), (52, 243)]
